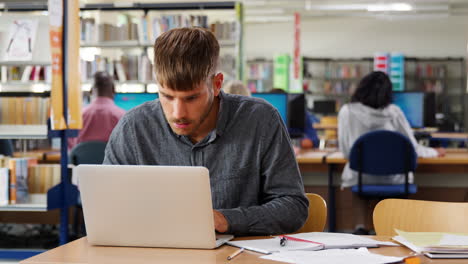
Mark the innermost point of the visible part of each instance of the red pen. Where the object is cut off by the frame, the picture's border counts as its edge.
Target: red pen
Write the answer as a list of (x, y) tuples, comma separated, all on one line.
[(283, 240)]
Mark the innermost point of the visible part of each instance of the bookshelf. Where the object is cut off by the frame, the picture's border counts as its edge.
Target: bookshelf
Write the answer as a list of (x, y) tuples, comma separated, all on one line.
[(118, 38), (336, 79), (333, 79), (23, 131), (32, 207), (260, 75)]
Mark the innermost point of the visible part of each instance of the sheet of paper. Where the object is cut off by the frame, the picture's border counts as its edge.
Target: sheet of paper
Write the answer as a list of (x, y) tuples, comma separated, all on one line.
[(335, 256), (421, 239), (21, 40), (313, 154), (382, 243), (273, 245), (337, 240), (278, 257), (453, 240)]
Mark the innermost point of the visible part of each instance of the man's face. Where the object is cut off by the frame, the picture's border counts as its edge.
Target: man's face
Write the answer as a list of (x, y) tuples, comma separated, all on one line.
[(187, 111)]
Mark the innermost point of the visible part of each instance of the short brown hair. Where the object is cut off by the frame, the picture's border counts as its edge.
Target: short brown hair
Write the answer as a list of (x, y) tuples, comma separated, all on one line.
[(185, 57)]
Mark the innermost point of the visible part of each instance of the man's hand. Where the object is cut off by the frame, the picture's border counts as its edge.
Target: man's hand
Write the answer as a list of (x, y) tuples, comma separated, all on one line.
[(220, 222), (440, 152)]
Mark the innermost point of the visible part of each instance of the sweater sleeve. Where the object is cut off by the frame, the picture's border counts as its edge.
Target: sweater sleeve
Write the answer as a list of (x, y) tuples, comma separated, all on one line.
[(283, 207), (343, 135), (405, 128)]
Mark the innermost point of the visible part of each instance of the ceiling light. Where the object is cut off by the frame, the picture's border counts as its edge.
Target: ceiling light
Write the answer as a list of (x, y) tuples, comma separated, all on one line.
[(270, 11), (254, 3), (398, 7), (268, 19)]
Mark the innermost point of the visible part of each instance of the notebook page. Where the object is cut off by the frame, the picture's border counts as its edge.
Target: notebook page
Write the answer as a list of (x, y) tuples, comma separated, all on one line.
[(273, 245)]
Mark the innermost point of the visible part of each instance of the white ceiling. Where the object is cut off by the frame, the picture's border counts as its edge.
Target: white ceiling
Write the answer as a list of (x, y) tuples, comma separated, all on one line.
[(283, 10)]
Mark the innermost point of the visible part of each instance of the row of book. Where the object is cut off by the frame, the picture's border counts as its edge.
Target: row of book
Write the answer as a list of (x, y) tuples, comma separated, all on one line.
[(24, 110), (14, 180), (259, 70), (129, 67), (20, 177), (145, 30), (431, 71), (97, 33), (139, 68), (26, 74), (337, 71), (342, 87)]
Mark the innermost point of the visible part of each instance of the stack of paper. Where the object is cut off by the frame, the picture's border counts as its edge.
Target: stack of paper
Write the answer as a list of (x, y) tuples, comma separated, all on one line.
[(435, 244)]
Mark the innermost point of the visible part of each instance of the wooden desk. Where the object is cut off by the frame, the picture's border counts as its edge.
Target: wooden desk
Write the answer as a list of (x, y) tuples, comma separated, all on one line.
[(79, 251), (455, 161)]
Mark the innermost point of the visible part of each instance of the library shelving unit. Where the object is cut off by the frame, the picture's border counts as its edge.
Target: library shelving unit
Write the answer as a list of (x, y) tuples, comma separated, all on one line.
[(107, 49), (333, 78), (446, 77), (259, 75), (63, 195), (336, 79)]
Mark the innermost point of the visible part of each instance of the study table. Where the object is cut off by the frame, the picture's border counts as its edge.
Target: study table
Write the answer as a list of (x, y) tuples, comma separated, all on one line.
[(79, 251), (331, 161)]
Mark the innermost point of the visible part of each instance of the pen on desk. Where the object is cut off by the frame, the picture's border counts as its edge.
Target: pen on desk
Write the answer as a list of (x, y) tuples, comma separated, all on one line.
[(240, 250), (283, 241)]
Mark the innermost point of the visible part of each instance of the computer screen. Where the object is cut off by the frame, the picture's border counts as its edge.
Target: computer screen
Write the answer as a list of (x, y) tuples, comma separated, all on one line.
[(324, 107), (127, 101), (296, 111), (412, 105), (279, 101)]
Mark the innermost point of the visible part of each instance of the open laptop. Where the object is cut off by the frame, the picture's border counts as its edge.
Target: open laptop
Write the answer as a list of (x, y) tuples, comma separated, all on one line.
[(148, 206)]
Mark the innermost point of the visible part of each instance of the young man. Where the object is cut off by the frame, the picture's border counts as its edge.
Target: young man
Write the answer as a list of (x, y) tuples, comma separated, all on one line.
[(255, 182), (102, 115)]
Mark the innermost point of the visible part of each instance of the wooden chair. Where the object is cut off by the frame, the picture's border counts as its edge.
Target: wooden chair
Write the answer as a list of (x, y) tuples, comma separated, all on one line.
[(317, 214), (420, 216)]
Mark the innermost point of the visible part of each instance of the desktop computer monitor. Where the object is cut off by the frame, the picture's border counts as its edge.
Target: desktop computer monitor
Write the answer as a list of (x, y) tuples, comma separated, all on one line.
[(296, 114), (324, 107), (278, 100), (412, 105), (127, 101)]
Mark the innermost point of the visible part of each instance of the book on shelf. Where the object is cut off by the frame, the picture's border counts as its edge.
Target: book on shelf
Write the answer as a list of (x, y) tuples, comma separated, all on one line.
[(20, 177), (24, 110), (145, 30), (26, 74), (42, 177), (127, 68), (4, 186)]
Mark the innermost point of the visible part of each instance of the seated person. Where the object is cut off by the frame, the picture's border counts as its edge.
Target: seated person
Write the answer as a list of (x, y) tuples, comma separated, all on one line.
[(371, 109), (236, 87), (102, 115), (255, 181)]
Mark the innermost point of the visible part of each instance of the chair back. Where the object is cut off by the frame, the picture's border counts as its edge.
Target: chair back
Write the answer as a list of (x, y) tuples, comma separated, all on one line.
[(89, 152), (317, 214), (420, 216), (383, 152)]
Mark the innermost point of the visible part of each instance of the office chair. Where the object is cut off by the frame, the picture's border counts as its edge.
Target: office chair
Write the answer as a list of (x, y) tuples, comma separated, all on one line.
[(89, 152), (317, 214), (383, 153), (419, 216)]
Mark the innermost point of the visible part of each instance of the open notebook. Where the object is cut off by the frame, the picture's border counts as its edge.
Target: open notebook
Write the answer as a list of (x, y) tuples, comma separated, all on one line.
[(308, 241)]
